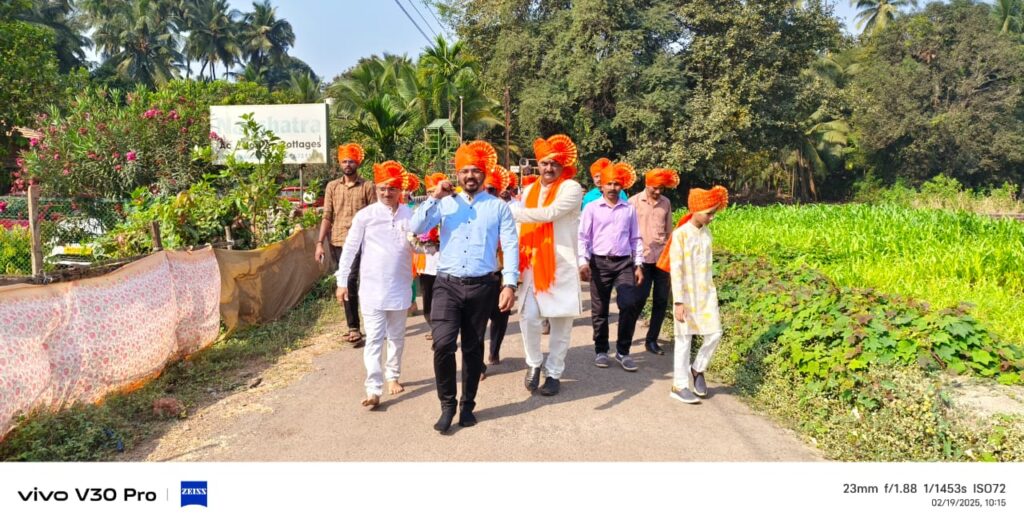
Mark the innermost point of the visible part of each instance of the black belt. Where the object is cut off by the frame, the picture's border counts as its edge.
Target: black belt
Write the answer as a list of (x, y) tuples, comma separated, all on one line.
[(612, 257), (483, 279)]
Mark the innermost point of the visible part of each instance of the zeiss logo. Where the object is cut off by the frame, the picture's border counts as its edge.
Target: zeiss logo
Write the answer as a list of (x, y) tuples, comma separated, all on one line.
[(193, 492)]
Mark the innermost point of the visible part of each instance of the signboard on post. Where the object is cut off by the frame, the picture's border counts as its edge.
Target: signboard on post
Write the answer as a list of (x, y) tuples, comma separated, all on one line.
[(302, 127)]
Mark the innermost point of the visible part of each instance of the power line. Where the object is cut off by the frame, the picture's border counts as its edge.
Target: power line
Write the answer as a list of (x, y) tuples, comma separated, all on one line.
[(423, 18), (431, 11), (407, 15)]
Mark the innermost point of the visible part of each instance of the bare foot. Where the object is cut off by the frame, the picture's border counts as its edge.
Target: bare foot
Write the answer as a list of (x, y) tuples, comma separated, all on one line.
[(394, 387), (371, 401)]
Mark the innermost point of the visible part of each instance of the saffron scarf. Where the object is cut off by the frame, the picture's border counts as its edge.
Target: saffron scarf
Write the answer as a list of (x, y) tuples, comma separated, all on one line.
[(537, 241)]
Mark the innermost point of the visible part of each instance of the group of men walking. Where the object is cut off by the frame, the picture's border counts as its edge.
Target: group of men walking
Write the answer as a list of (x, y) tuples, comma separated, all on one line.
[(497, 249)]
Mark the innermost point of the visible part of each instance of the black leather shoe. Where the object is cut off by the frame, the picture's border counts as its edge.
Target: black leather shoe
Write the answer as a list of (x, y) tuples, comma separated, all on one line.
[(654, 348), (466, 418), (444, 423), (532, 380), (551, 386)]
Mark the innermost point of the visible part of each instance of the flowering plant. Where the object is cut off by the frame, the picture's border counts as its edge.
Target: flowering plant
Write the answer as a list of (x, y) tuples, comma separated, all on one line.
[(427, 243)]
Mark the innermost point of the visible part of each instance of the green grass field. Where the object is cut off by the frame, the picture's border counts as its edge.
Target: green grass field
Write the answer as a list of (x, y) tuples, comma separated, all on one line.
[(939, 257)]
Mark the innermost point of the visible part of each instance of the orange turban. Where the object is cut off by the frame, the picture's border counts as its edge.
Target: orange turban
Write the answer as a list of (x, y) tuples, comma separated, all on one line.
[(598, 166), (432, 180), (662, 178), (351, 151), (560, 149), (501, 179), (392, 173), (479, 154), (529, 178), (620, 172), (701, 200)]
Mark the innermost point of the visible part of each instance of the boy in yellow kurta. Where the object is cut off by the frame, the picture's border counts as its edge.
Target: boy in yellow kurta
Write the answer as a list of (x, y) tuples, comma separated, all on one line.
[(693, 292)]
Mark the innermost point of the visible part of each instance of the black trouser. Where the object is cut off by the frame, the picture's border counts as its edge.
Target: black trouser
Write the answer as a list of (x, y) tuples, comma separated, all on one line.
[(499, 324), (653, 275), (427, 291), (606, 274), (460, 306), (352, 304)]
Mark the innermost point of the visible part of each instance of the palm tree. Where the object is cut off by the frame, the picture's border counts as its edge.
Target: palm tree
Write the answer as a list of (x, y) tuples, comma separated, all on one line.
[(439, 67), (137, 38), (213, 34), (67, 25), (875, 14), (1010, 14), (304, 88), (384, 124), (820, 148), (252, 74), (264, 38), (372, 77)]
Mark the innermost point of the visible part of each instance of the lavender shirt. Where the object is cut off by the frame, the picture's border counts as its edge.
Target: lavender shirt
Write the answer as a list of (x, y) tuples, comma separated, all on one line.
[(608, 230)]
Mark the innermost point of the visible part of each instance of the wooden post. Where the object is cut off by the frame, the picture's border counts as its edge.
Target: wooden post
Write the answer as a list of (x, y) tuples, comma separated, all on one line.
[(158, 244), (227, 236), (33, 224)]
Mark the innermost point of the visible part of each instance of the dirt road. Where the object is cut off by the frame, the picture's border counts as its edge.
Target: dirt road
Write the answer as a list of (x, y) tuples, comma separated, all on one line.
[(306, 407)]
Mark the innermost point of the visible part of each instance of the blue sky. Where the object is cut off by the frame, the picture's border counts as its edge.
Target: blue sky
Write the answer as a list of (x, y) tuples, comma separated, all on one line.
[(332, 35)]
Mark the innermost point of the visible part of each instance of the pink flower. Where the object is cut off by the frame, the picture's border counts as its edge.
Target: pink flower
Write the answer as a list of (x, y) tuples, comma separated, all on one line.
[(65, 172), (117, 168), (115, 155), (82, 130), (184, 130), (3, 206), (173, 114), (151, 113), (56, 155), (33, 142), (92, 155), (213, 135), (130, 156), (20, 162)]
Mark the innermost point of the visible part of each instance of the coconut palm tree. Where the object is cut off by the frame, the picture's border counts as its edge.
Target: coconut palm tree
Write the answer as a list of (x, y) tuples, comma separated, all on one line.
[(68, 26), (1010, 14), (137, 38), (874, 15), (264, 38), (213, 34), (820, 148)]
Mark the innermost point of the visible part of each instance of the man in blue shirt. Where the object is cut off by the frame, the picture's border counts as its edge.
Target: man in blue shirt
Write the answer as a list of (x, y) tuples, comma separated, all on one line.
[(468, 283), (595, 174)]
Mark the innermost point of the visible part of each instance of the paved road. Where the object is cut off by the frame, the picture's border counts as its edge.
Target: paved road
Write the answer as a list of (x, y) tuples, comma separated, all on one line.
[(307, 408)]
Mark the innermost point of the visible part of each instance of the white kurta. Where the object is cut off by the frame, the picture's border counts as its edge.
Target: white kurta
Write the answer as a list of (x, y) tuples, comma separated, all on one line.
[(385, 270), (563, 299), (692, 283)]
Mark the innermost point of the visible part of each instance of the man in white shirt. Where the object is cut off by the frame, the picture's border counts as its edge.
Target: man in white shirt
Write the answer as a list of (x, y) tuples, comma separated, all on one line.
[(379, 233)]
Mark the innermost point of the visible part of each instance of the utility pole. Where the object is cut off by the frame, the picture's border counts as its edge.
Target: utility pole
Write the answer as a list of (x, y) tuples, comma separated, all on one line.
[(508, 160), (461, 137)]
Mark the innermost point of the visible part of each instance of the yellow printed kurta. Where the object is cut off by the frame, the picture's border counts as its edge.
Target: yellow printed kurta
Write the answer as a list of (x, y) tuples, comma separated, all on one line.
[(692, 283)]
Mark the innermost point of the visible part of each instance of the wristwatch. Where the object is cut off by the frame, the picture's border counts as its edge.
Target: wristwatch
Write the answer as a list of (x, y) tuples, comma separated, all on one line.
[(514, 288)]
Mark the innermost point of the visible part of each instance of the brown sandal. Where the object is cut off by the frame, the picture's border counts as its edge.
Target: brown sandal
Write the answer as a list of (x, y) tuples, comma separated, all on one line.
[(355, 337)]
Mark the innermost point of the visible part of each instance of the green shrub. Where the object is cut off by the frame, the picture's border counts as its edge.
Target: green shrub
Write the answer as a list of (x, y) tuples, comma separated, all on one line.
[(109, 142), (859, 373), (15, 251)]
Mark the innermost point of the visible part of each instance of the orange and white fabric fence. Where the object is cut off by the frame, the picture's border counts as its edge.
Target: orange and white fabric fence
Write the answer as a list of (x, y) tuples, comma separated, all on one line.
[(81, 340)]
